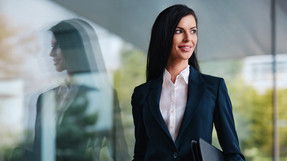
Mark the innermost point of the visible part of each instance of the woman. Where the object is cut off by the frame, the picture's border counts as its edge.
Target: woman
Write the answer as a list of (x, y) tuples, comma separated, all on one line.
[(84, 109), (178, 104)]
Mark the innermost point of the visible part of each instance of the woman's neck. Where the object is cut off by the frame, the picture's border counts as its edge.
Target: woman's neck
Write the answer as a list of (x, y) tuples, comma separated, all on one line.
[(175, 69)]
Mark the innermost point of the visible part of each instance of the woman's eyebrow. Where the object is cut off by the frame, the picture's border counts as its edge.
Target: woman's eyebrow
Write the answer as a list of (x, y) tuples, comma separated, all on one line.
[(194, 27)]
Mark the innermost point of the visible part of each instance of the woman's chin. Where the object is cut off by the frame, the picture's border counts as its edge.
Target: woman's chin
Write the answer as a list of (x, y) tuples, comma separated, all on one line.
[(59, 69)]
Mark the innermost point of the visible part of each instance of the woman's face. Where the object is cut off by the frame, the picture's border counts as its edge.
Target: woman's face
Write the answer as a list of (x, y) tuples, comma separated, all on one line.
[(56, 54), (184, 40)]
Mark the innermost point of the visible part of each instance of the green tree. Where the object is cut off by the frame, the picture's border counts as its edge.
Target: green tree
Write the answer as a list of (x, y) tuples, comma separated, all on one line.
[(252, 111), (75, 134), (129, 75)]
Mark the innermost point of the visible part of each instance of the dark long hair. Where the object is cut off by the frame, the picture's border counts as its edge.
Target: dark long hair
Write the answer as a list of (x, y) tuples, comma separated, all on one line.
[(79, 44), (162, 38)]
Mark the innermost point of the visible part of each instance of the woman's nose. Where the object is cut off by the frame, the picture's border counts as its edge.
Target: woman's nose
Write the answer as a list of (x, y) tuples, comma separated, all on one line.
[(52, 52), (187, 37)]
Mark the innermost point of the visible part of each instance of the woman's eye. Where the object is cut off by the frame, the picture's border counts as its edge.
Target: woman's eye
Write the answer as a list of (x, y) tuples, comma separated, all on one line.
[(177, 31), (55, 47), (193, 31)]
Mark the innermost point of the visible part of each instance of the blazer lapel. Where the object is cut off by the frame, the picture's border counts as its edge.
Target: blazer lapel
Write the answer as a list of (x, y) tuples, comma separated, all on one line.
[(153, 103), (196, 88)]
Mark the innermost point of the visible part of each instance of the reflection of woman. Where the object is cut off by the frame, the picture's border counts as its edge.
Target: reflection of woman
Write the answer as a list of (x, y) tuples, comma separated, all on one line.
[(83, 108), (178, 104)]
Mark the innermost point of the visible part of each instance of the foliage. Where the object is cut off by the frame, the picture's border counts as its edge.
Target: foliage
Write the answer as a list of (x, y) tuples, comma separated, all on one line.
[(76, 131), (13, 43), (252, 111), (131, 74)]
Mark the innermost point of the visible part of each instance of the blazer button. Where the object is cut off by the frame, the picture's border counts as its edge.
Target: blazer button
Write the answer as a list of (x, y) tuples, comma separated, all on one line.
[(175, 155)]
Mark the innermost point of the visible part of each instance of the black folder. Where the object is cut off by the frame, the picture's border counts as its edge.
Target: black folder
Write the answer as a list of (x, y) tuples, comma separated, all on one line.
[(203, 151)]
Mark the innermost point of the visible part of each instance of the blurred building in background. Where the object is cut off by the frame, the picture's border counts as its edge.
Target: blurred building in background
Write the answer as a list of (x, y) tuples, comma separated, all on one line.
[(257, 72)]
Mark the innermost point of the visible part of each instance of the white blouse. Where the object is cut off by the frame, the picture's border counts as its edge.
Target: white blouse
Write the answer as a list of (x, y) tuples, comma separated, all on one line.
[(173, 100)]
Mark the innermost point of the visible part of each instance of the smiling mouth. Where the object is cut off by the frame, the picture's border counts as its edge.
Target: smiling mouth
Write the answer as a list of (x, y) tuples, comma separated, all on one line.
[(185, 48), (56, 61)]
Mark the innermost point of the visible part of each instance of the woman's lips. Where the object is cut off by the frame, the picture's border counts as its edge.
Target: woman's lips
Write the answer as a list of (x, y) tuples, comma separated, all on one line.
[(56, 61), (185, 48)]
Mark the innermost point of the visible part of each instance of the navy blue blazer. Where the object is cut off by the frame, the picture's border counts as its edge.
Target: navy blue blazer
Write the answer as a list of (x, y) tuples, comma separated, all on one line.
[(208, 104)]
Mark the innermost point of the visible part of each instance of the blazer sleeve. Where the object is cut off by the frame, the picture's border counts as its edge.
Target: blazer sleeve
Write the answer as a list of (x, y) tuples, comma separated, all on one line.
[(140, 133), (224, 124)]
